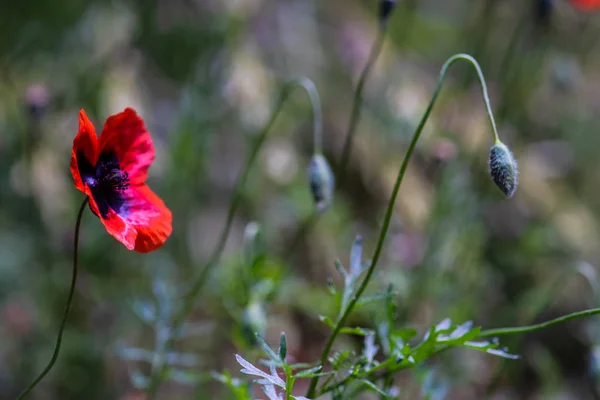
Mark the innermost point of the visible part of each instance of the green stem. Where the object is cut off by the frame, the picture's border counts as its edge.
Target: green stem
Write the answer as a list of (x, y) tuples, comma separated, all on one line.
[(67, 307), (357, 103), (390, 209), (190, 298), (536, 327), (317, 112)]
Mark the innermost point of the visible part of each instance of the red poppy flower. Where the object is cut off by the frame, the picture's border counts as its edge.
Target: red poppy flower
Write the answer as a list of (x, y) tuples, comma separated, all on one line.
[(111, 170), (586, 5)]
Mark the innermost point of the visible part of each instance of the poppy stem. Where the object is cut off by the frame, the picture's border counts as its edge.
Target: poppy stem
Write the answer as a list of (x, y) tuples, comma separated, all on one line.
[(357, 102), (189, 300), (67, 306), (317, 112), (390, 209)]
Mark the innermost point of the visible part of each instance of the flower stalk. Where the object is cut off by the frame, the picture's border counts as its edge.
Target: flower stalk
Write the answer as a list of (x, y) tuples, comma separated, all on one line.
[(357, 101), (63, 323), (189, 301), (390, 209)]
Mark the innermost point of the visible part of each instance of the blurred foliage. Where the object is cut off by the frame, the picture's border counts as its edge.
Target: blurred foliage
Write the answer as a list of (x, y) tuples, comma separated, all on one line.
[(204, 76)]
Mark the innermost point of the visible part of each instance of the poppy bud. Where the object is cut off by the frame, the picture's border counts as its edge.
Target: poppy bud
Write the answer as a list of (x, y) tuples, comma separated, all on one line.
[(385, 9), (282, 347), (503, 168), (321, 182)]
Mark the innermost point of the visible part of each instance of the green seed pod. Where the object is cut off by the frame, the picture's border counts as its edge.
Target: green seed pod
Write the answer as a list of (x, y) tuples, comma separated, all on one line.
[(503, 169), (321, 182)]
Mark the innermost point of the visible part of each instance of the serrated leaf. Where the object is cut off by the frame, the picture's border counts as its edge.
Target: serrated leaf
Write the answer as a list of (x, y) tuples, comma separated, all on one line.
[(308, 373), (250, 369), (301, 365), (444, 325), (374, 298), (491, 348), (271, 392), (373, 387), (356, 257), (270, 352), (331, 287), (370, 348), (503, 353), (340, 268), (339, 358), (459, 335)]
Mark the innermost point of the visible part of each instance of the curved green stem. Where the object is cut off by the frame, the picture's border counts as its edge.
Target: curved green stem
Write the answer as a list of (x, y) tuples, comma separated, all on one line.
[(357, 102), (190, 298), (67, 307), (317, 112), (390, 209), (536, 327)]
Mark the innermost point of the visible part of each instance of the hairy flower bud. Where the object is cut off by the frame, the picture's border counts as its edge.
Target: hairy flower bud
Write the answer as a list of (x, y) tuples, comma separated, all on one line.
[(503, 169), (385, 9), (321, 182)]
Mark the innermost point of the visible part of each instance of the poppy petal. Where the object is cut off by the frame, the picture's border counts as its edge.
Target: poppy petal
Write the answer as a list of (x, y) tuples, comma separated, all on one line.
[(116, 225), (125, 136), (84, 153), (142, 224), (150, 217), (586, 5)]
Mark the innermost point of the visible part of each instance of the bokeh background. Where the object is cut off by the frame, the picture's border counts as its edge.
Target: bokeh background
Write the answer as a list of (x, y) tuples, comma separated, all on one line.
[(204, 74)]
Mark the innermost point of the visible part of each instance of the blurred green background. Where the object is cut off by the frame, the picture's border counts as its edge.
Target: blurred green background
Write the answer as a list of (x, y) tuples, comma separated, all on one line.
[(204, 75)]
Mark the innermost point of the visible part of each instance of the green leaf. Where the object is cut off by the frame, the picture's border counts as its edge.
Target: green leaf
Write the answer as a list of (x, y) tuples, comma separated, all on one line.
[(356, 257), (403, 334), (364, 300), (327, 321), (340, 358), (373, 387), (340, 268), (270, 352), (309, 373), (356, 331)]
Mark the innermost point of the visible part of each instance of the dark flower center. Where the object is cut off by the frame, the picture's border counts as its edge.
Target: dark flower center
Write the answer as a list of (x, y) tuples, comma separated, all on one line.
[(111, 176), (107, 181)]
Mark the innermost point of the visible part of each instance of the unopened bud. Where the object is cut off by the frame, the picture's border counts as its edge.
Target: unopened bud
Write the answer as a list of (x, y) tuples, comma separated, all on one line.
[(282, 347), (503, 169), (321, 182), (385, 9)]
